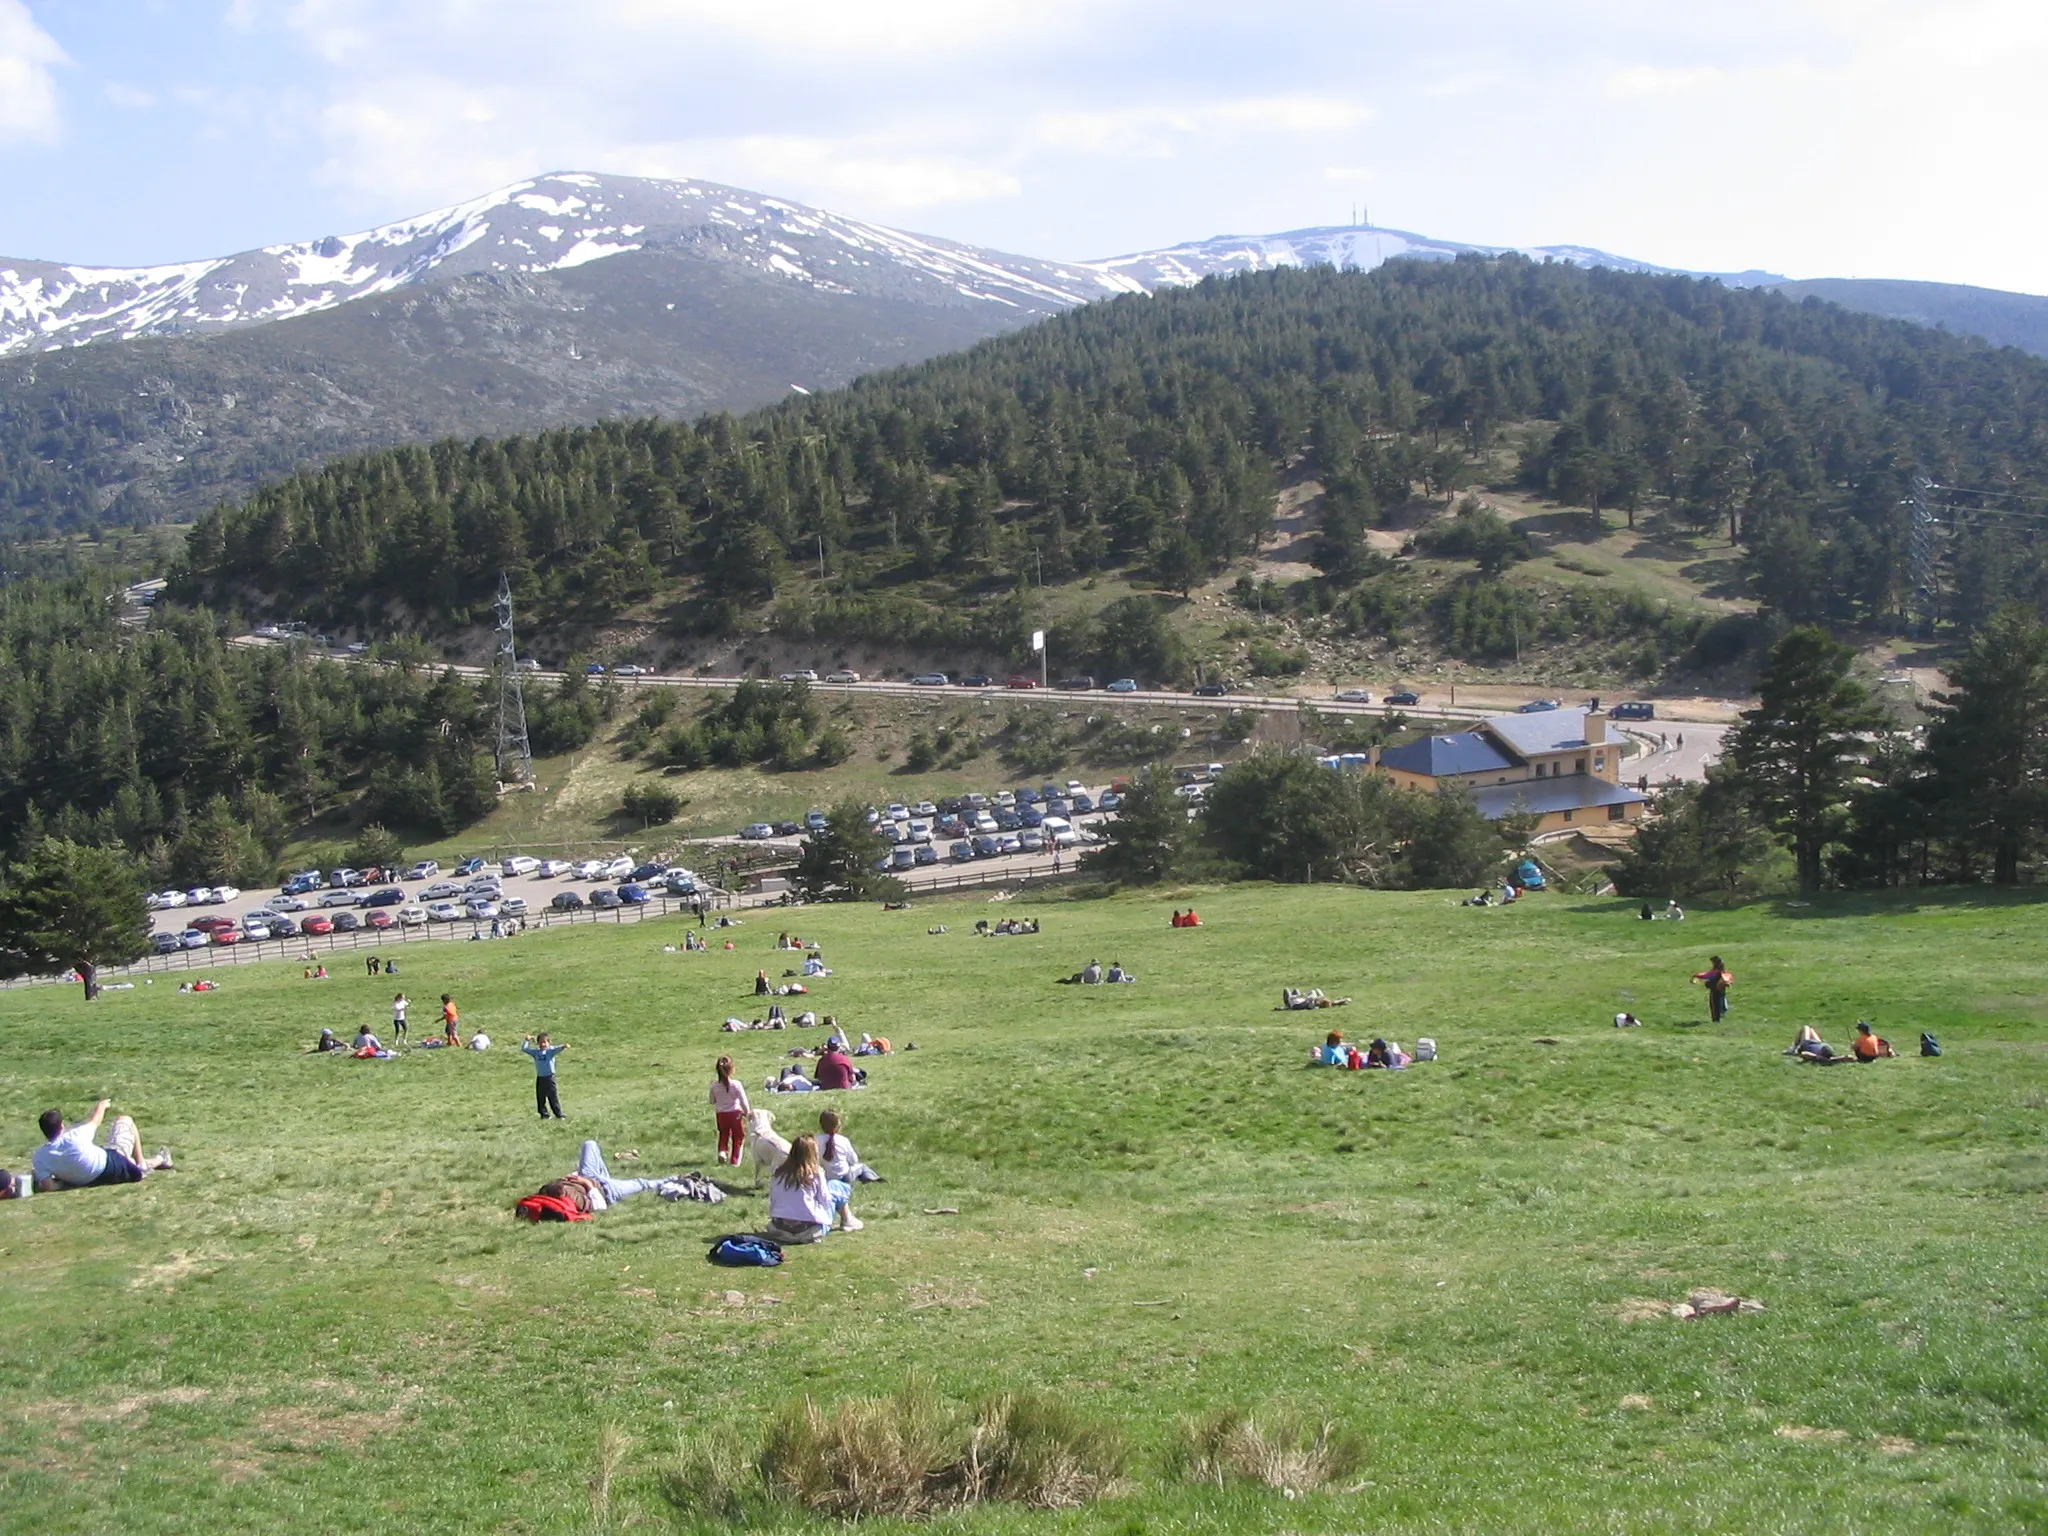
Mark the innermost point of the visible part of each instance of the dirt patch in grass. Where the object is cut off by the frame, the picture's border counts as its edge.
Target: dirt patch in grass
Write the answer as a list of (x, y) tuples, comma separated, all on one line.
[(1809, 1435)]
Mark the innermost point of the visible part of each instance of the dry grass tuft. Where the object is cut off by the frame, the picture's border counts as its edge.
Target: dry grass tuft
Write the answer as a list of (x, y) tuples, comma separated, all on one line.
[(864, 1456), (1278, 1449), (1038, 1452)]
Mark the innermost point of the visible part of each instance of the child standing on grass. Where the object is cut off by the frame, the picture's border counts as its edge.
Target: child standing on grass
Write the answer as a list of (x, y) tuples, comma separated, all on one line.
[(729, 1103), (398, 1007), (1717, 979), (545, 1097), (449, 1019)]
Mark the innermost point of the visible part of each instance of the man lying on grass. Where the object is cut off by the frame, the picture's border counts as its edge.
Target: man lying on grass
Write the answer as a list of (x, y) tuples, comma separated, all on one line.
[(69, 1158)]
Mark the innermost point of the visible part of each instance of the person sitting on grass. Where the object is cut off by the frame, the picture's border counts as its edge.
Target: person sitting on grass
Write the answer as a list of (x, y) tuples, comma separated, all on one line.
[(815, 966), (1869, 1045), (836, 1070), (836, 1155), (328, 1041), (761, 986), (1089, 975), (1333, 1052), (1117, 973), (803, 1204), (69, 1158), (366, 1042)]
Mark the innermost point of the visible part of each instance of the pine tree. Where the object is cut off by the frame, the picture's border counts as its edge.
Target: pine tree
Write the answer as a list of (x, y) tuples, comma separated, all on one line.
[(69, 905), (1988, 744), (1145, 841)]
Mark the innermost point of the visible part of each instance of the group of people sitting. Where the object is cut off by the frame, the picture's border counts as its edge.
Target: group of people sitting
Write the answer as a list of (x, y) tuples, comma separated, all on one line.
[(1672, 912), (791, 941), (1386, 1055), (1186, 919), (198, 986), (1867, 1046), (1510, 893), (763, 987), (72, 1158), (1294, 1000), (1003, 929), (1092, 975)]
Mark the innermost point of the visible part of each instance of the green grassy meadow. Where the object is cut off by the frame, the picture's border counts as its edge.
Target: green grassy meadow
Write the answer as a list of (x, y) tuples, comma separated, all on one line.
[(328, 1319)]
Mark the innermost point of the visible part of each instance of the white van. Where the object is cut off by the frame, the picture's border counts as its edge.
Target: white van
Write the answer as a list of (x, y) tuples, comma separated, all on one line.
[(1058, 832)]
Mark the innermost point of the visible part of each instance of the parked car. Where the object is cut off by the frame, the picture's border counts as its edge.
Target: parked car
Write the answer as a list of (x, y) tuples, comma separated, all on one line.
[(212, 923), (194, 938), (985, 823), (1007, 820), (1031, 815), (788, 829), (903, 858), (1353, 695), (441, 890), (227, 936), (201, 896), (301, 883), (288, 904), (444, 912), (618, 868), (604, 898), (1538, 707), (1020, 680), (842, 676), (961, 850), (1057, 806), (1406, 698), (346, 922), (379, 920), (412, 917), (680, 882), (547, 869), (520, 864), (345, 879), (757, 832), (892, 832), (1110, 800), (171, 898), (1192, 791), (1635, 709), (340, 899), (567, 901), (590, 869), (1057, 832), (630, 669), (645, 872), (1212, 690), (986, 847), (255, 933), (924, 808), (1011, 843), (1123, 685), (930, 680), (1031, 840), (1082, 803), (897, 812), (426, 869), (800, 675), (815, 821), (976, 680), (390, 896), (317, 925), (480, 908), (925, 853), (633, 894), (475, 864), (1076, 684), (166, 943), (282, 927), (513, 906)]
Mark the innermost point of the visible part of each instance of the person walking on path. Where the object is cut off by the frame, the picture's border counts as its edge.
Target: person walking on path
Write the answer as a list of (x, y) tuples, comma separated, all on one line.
[(545, 1096), (729, 1102), (1717, 979), (398, 1006)]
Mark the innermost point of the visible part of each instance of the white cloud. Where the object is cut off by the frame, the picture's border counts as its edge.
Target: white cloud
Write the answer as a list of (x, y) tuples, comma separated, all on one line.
[(1159, 132), (28, 88), (1649, 80), (852, 176)]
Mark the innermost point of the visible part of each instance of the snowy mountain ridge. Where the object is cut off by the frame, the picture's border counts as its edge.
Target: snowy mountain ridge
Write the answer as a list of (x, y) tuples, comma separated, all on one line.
[(558, 222)]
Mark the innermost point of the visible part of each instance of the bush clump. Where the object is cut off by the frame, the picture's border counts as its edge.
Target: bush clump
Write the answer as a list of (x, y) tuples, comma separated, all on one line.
[(1279, 1449)]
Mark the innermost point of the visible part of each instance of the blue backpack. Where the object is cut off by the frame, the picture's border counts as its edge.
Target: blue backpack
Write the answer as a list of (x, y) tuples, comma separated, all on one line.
[(743, 1250), (1929, 1046)]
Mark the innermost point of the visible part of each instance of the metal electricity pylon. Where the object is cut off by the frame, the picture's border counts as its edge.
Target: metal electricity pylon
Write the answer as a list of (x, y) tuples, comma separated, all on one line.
[(515, 753), (1926, 580)]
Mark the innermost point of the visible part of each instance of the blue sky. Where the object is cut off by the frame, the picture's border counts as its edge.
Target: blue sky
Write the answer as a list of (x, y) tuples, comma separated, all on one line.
[(1873, 138)]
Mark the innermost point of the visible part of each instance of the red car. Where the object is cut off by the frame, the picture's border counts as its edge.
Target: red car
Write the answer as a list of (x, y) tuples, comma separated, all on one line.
[(1019, 680), (317, 924), (212, 924), (378, 918), (228, 935)]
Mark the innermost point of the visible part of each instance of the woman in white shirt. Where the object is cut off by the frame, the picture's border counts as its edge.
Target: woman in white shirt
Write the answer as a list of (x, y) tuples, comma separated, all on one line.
[(803, 1205)]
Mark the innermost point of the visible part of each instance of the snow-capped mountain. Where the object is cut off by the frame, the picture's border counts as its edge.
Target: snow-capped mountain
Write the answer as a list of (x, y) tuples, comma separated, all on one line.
[(550, 224), (1357, 247), (560, 222)]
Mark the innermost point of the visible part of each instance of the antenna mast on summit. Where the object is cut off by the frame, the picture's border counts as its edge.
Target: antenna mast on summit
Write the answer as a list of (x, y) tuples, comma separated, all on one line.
[(515, 753)]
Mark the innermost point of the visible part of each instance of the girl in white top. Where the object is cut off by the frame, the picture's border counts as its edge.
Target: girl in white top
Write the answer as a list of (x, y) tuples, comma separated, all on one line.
[(836, 1155), (803, 1205), (729, 1103), (398, 1006)]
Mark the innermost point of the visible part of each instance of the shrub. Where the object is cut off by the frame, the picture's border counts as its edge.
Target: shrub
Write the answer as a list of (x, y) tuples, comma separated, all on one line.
[(1279, 1450), (651, 804), (865, 1456)]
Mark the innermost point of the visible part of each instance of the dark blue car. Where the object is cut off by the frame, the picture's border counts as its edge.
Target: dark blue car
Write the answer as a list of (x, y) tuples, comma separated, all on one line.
[(633, 895), (390, 897)]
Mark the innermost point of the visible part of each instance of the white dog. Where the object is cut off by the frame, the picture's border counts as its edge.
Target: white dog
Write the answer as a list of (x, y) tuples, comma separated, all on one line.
[(765, 1149)]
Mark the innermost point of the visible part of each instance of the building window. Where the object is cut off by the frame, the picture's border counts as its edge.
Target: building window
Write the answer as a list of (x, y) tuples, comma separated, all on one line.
[(1617, 812), (1567, 815), (1581, 768), (1599, 762)]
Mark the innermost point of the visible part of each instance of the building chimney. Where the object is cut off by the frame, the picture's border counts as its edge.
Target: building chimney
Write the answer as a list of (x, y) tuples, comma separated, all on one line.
[(1596, 727)]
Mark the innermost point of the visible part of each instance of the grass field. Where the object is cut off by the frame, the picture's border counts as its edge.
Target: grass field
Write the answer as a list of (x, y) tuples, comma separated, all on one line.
[(328, 1320)]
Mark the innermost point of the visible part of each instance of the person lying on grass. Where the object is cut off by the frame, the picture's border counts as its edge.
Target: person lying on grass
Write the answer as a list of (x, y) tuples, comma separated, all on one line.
[(584, 1193), (69, 1159), (1294, 1000), (1809, 1047), (804, 1205)]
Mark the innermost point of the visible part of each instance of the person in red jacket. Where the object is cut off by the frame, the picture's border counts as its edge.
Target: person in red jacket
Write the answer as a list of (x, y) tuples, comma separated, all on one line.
[(835, 1069)]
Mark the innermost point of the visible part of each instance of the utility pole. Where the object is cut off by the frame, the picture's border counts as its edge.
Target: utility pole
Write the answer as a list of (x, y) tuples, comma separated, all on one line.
[(821, 556), (514, 754), (1926, 587)]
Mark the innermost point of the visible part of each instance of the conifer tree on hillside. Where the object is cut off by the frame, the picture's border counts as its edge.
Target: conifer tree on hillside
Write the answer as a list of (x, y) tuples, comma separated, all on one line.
[(1988, 744)]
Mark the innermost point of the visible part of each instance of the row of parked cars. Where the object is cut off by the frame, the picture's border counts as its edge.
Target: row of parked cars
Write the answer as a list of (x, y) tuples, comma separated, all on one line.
[(349, 900), (962, 816)]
